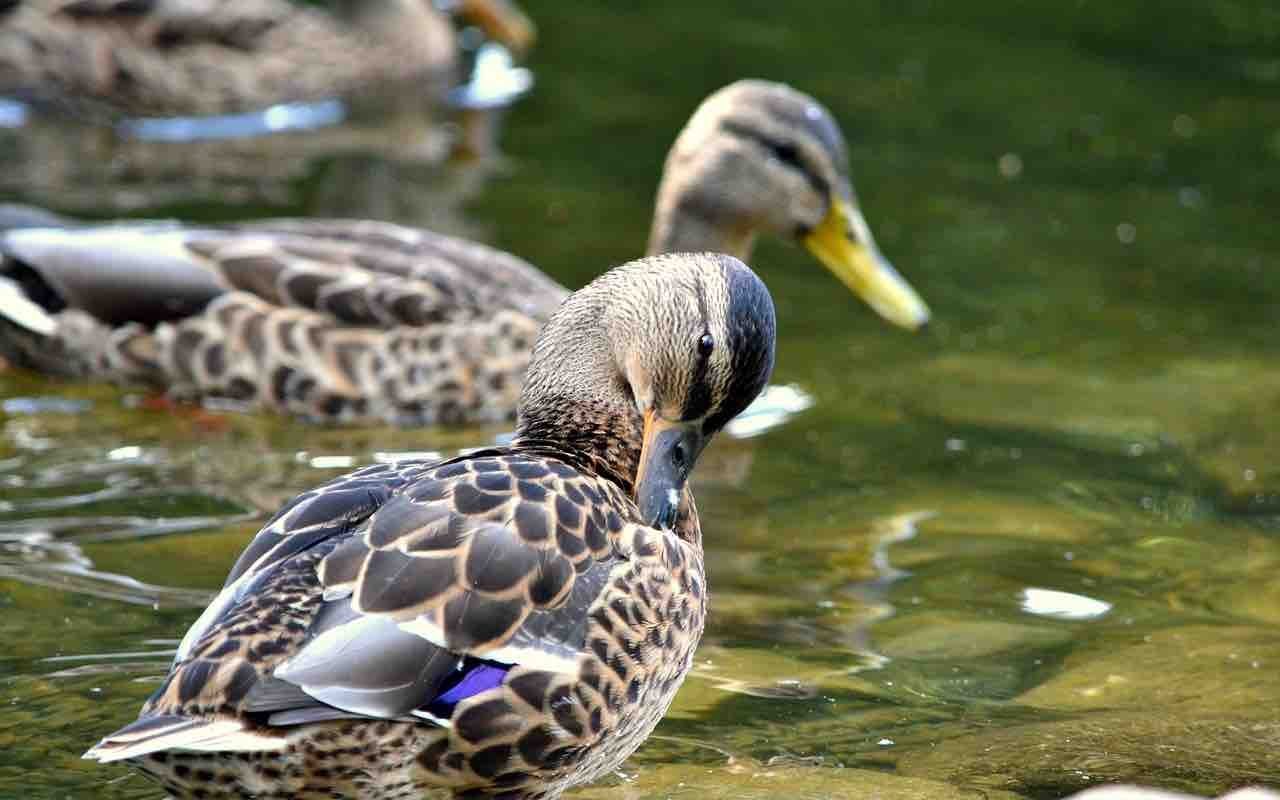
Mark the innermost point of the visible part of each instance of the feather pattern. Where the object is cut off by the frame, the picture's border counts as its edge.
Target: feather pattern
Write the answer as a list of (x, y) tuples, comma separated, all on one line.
[(533, 585), (188, 57), (328, 320)]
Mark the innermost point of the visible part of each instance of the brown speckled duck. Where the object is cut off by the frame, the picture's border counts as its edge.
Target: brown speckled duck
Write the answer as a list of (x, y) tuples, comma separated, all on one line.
[(504, 624), (342, 320), (184, 57)]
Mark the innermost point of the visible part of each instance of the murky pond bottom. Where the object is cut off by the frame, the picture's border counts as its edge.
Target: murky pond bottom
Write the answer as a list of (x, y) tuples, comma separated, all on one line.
[(1031, 549)]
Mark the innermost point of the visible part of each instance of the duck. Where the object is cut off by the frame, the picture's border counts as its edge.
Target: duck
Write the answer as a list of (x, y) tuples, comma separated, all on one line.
[(165, 58), (503, 624), (367, 321)]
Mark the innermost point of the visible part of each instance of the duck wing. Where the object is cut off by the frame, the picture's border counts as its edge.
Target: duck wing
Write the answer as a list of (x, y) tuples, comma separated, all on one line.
[(355, 272), (398, 592), (329, 319), (168, 24)]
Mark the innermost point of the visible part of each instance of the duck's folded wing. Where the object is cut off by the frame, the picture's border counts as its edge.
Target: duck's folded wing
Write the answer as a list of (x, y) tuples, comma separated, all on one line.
[(357, 273), (311, 519), (156, 272), (459, 577), (115, 273), (371, 665), (463, 573), (467, 271), (176, 23), (484, 565)]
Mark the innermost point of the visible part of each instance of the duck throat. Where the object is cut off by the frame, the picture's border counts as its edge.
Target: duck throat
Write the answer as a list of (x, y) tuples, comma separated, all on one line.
[(575, 404), (688, 221), (598, 442), (595, 439)]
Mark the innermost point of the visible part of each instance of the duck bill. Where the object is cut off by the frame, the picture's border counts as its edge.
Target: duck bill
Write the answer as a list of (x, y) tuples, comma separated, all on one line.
[(843, 243), (666, 457), (501, 21)]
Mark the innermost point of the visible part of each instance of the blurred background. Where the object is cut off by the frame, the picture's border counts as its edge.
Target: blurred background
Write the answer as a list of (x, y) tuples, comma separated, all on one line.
[(1029, 549)]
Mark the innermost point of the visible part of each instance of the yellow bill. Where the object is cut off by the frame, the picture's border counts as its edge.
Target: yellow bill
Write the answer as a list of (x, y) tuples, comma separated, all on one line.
[(843, 242)]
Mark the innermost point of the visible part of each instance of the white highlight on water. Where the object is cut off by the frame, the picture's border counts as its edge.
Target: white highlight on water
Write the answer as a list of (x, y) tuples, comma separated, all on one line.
[(1062, 605)]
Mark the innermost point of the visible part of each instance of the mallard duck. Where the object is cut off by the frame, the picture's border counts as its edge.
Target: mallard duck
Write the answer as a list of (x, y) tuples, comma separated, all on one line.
[(342, 320), (504, 624), (188, 57)]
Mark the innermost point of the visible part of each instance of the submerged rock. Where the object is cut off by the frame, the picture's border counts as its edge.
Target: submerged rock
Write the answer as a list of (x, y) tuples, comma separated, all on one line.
[(952, 640), (1180, 671), (1187, 708), (1052, 759)]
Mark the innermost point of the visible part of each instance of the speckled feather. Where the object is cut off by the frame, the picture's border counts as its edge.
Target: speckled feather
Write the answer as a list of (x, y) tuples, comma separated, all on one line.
[(171, 57), (475, 554), (326, 319)]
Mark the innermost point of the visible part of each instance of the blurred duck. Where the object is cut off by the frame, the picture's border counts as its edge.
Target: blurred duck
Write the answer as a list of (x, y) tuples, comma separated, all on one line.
[(504, 624), (159, 58), (347, 320)]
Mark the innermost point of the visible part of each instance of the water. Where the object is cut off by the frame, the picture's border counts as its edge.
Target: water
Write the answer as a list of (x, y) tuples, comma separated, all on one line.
[(1030, 549)]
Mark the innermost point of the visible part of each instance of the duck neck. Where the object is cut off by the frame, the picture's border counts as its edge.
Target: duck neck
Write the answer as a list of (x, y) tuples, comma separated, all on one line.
[(596, 439), (576, 405), (688, 221)]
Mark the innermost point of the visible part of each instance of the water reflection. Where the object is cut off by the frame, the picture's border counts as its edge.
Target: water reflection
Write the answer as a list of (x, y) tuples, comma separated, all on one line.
[(851, 596), (1062, 605), (277, 119), (83, 169), (38, 558), (385, 157)]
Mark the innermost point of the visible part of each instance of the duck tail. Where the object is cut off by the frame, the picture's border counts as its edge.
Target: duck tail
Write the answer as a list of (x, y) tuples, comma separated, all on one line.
[(152, 734), (71, 343), (27, 331), (40, 332)]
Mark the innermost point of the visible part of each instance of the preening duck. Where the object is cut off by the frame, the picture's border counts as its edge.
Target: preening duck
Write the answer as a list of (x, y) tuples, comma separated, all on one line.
[(343, 320), (504, 624)]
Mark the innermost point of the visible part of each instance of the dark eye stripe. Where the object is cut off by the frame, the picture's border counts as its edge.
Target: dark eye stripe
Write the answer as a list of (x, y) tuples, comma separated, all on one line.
[(785, 152), (698, 402)]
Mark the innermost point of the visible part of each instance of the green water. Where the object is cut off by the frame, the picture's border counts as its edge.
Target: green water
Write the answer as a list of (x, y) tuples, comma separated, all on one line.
[(1090, 413)]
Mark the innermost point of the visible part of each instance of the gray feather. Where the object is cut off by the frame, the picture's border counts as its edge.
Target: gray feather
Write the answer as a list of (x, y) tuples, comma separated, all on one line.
[(305, 716), (367, 665), (118, 274), (562, 631), (274, 695)]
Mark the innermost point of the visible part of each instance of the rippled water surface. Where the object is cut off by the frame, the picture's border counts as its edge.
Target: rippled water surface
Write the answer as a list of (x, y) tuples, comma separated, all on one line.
[(1027, 550)]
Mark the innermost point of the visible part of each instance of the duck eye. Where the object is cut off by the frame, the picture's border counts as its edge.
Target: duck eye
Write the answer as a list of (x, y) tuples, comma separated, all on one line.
[(706, 343)]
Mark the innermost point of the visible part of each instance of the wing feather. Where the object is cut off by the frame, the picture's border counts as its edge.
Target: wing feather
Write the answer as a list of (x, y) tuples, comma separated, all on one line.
[(391, 594), (466, 559)]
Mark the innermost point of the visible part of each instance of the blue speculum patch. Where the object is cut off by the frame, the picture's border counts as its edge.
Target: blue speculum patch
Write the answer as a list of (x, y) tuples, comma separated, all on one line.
[(469, 680)]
